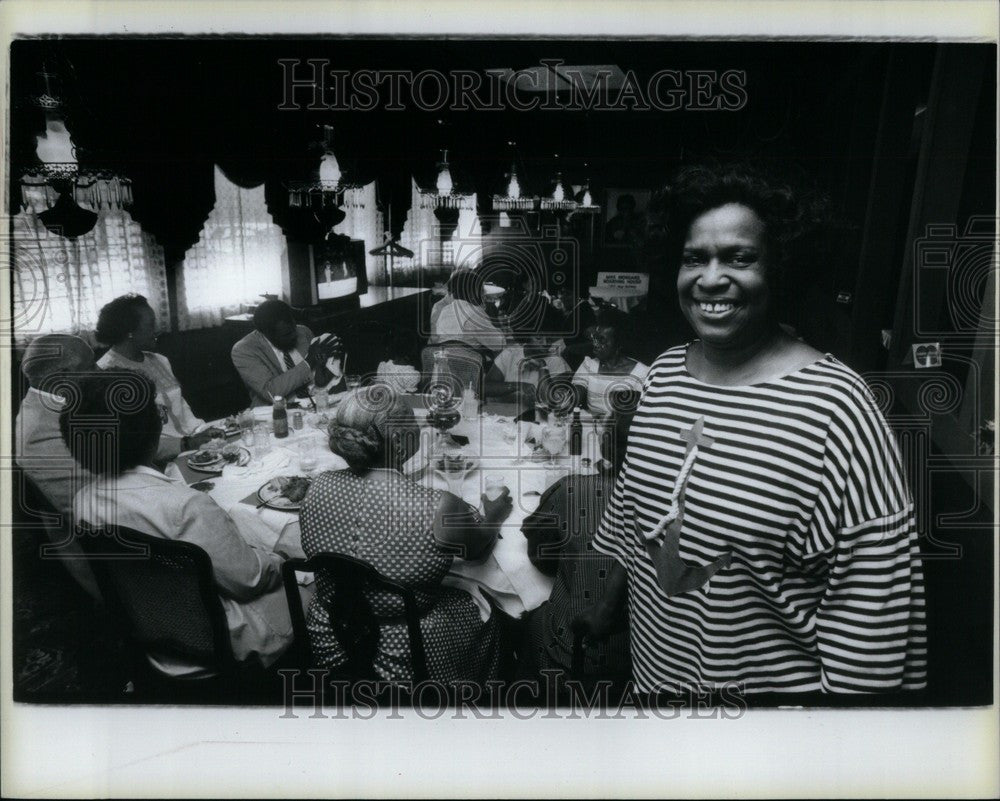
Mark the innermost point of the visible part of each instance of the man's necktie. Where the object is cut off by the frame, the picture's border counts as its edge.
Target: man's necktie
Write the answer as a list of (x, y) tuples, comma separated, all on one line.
[(301, 392)]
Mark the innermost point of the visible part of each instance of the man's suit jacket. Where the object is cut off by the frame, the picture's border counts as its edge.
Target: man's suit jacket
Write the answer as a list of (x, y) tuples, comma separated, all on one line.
[(43, 456), (264, 377)]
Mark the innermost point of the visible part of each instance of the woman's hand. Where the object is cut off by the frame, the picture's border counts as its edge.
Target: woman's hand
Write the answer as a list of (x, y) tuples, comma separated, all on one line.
[(195, 441), (597, 622), (461, 531), (607, 616), (497, 511)]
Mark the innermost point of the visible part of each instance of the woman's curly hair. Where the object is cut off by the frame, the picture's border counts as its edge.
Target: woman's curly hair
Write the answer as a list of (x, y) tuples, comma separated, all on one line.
[(793, 215), (119, 318)]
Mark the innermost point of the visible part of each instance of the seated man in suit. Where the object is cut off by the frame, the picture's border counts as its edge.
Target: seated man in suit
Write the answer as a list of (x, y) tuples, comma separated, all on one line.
[(281, 358), (50, 364)]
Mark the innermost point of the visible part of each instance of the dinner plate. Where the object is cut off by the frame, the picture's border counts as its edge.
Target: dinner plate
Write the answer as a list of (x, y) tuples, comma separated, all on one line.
[(273, 499), (216, 465), (206, 467)]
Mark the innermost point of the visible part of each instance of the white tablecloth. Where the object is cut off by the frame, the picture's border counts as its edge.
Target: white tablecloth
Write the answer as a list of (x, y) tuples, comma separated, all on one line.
[(507, 573)]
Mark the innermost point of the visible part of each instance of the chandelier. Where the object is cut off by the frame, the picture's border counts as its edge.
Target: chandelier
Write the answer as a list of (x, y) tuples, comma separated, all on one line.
[(328, 188), (585, 200), (444, 196), (58, 182), (560, 200), (514, 200)]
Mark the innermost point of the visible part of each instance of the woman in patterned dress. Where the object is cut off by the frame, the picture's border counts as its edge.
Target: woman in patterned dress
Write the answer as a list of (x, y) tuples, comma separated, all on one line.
[(761, 525), (560, 534), (410, 533)]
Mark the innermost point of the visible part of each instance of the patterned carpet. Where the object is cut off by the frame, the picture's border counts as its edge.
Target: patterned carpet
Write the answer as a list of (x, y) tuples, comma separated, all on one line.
[(62, 648)]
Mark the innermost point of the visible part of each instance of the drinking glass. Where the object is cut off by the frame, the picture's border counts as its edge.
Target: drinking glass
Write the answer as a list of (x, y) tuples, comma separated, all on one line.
[(319, 398), (307, 456), (553, 439), (261, 439), (353, 381), (510, 432), (494, 487), (246, 421)]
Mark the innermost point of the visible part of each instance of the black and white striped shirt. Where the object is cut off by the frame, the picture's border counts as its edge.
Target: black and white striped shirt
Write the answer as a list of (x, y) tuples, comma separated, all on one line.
[(802, 487)]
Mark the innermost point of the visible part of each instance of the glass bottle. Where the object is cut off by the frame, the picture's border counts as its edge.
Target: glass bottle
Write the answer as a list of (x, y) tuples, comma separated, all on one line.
[(279, 416), (576, 434), (444, 393)]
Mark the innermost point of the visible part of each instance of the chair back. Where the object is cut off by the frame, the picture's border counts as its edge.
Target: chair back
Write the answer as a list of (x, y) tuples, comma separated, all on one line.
[(161, 593), (354, 623), (466, 364), (62, 547)]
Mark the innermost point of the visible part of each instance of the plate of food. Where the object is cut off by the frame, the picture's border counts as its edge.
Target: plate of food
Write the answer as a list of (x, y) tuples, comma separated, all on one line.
[(231, 426), (284, 492), (216, 454)]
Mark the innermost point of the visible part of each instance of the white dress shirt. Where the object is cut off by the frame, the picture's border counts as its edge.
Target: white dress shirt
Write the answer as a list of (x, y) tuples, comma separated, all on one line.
[(248, 578)]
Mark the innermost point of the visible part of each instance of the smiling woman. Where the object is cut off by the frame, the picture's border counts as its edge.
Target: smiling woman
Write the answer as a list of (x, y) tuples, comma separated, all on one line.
[(735, 237), (128, 325), (762, 524)]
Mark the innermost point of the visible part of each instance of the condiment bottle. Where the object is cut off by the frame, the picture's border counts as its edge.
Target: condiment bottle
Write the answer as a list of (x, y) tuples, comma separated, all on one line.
[(280, 417)]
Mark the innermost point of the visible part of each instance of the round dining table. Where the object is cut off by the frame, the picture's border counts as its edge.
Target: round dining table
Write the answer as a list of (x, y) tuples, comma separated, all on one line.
[(492, 447)]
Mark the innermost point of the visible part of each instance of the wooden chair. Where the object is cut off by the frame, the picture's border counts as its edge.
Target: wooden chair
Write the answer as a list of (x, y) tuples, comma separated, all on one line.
[(162, 597), (350, 613), (61, 546)]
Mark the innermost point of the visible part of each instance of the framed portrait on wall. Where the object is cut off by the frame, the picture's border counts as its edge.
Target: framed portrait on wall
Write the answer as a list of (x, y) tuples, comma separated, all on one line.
[(625, 217)]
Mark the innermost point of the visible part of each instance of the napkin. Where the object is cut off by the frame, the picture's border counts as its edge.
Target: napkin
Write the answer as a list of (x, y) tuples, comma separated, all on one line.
[(269, 464)]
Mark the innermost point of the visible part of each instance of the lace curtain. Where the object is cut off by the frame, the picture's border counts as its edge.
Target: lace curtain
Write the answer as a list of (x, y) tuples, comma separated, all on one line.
[(364, 221), (240, 255), (463, 248), (59, 285)]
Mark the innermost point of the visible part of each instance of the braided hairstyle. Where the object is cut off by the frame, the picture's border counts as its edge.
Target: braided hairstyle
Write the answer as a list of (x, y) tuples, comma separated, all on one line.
[(373, 427)]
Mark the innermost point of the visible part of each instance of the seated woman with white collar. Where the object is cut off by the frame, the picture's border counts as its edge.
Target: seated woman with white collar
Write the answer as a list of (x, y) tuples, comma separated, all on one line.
[(128, 325), (608, 380)]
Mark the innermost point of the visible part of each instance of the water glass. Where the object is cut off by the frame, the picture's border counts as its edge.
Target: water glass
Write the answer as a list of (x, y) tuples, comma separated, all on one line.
[(320, 398), (353, 381), (554, 439), (509, 432), (494, 487), (246, 420), (261, 440), (307, 456)]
